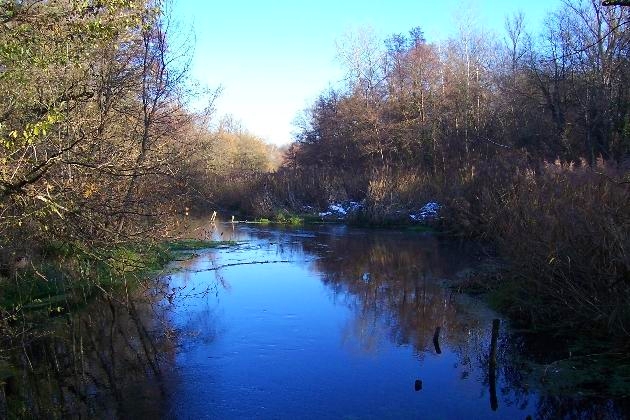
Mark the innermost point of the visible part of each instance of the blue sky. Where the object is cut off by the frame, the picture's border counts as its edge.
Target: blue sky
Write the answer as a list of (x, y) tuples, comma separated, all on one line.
[(274, 57)]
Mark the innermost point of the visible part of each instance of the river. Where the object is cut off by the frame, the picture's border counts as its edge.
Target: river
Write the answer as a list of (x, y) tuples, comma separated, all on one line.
[(336, 322), (295, 323)]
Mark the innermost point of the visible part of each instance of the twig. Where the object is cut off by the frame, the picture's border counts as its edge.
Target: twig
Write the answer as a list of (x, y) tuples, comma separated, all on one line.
[(494, 142), (218, 267)]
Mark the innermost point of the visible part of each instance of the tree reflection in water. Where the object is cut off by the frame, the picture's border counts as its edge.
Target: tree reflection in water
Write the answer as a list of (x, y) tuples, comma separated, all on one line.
[(112, 359), (106, 361), (393, 284)]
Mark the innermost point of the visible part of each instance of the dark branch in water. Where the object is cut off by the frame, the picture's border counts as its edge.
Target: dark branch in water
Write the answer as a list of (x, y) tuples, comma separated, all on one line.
[(218, 267), (492, 374)]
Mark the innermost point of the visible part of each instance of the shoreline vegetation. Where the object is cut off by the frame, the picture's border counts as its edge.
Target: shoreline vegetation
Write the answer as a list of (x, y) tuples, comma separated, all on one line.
[(66, 277), (524, 143)]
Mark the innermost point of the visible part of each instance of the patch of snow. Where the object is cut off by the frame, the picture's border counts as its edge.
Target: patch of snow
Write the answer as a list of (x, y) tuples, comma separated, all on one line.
[(337, 208), (341, 210), (427, 212), (353, 206)]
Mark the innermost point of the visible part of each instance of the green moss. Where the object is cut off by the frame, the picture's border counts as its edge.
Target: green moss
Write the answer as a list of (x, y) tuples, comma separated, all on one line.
[(69, 274), (281, 218), (421, 228), (295, 220)]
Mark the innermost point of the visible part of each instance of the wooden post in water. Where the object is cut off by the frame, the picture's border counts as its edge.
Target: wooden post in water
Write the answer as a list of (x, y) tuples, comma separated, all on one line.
[(436, 340), (492, 365), (417, 385)]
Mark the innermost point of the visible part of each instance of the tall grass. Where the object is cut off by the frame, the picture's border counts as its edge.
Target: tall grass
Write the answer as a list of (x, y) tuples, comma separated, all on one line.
[(393, 194), (566, 231)]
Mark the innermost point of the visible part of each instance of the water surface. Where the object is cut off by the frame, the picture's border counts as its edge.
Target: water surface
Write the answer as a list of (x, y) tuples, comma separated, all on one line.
[(333, 323), (330, 322)]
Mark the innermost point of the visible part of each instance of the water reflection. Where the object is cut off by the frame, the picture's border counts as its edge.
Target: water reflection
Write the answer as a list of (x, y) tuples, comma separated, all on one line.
[(383, 337), (106, 361), (325, 323), (393, 285)]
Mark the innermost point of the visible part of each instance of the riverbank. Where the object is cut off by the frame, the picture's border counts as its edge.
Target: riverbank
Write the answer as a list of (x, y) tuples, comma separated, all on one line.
[(71, 308)]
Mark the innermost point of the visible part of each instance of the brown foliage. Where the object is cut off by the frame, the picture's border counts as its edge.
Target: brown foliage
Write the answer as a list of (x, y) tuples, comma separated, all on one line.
[(566, 232), (564, 229)]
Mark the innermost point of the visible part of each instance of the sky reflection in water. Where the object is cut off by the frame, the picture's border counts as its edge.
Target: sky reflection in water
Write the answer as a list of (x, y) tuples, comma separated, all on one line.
[(333, 323)]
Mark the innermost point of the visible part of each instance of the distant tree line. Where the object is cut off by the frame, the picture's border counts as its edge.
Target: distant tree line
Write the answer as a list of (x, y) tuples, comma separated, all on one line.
[(443, 106), (524, 141)]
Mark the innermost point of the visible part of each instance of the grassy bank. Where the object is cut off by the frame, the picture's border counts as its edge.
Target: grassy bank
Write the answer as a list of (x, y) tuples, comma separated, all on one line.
[(62, 277), (71, 308)]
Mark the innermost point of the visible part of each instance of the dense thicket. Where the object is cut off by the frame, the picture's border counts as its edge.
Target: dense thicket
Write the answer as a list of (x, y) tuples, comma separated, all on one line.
[(445, 107), (525, 142), (99, 149), (97, 140), (92, 117)]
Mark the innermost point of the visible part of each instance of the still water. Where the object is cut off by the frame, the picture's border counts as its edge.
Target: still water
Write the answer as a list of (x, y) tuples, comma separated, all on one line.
[(335, 323), (330, 322)]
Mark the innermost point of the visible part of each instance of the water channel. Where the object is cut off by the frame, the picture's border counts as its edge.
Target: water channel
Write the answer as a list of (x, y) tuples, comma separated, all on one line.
[(335, 322), (323, 322)]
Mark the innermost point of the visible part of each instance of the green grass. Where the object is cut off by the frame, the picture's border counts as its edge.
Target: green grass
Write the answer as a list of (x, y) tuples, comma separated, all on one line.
[(285, 218), (282, 218), (68, 275), (421, 228)]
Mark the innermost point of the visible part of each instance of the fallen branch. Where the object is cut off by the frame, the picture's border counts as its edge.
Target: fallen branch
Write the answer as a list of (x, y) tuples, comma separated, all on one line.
[(218, 267)]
